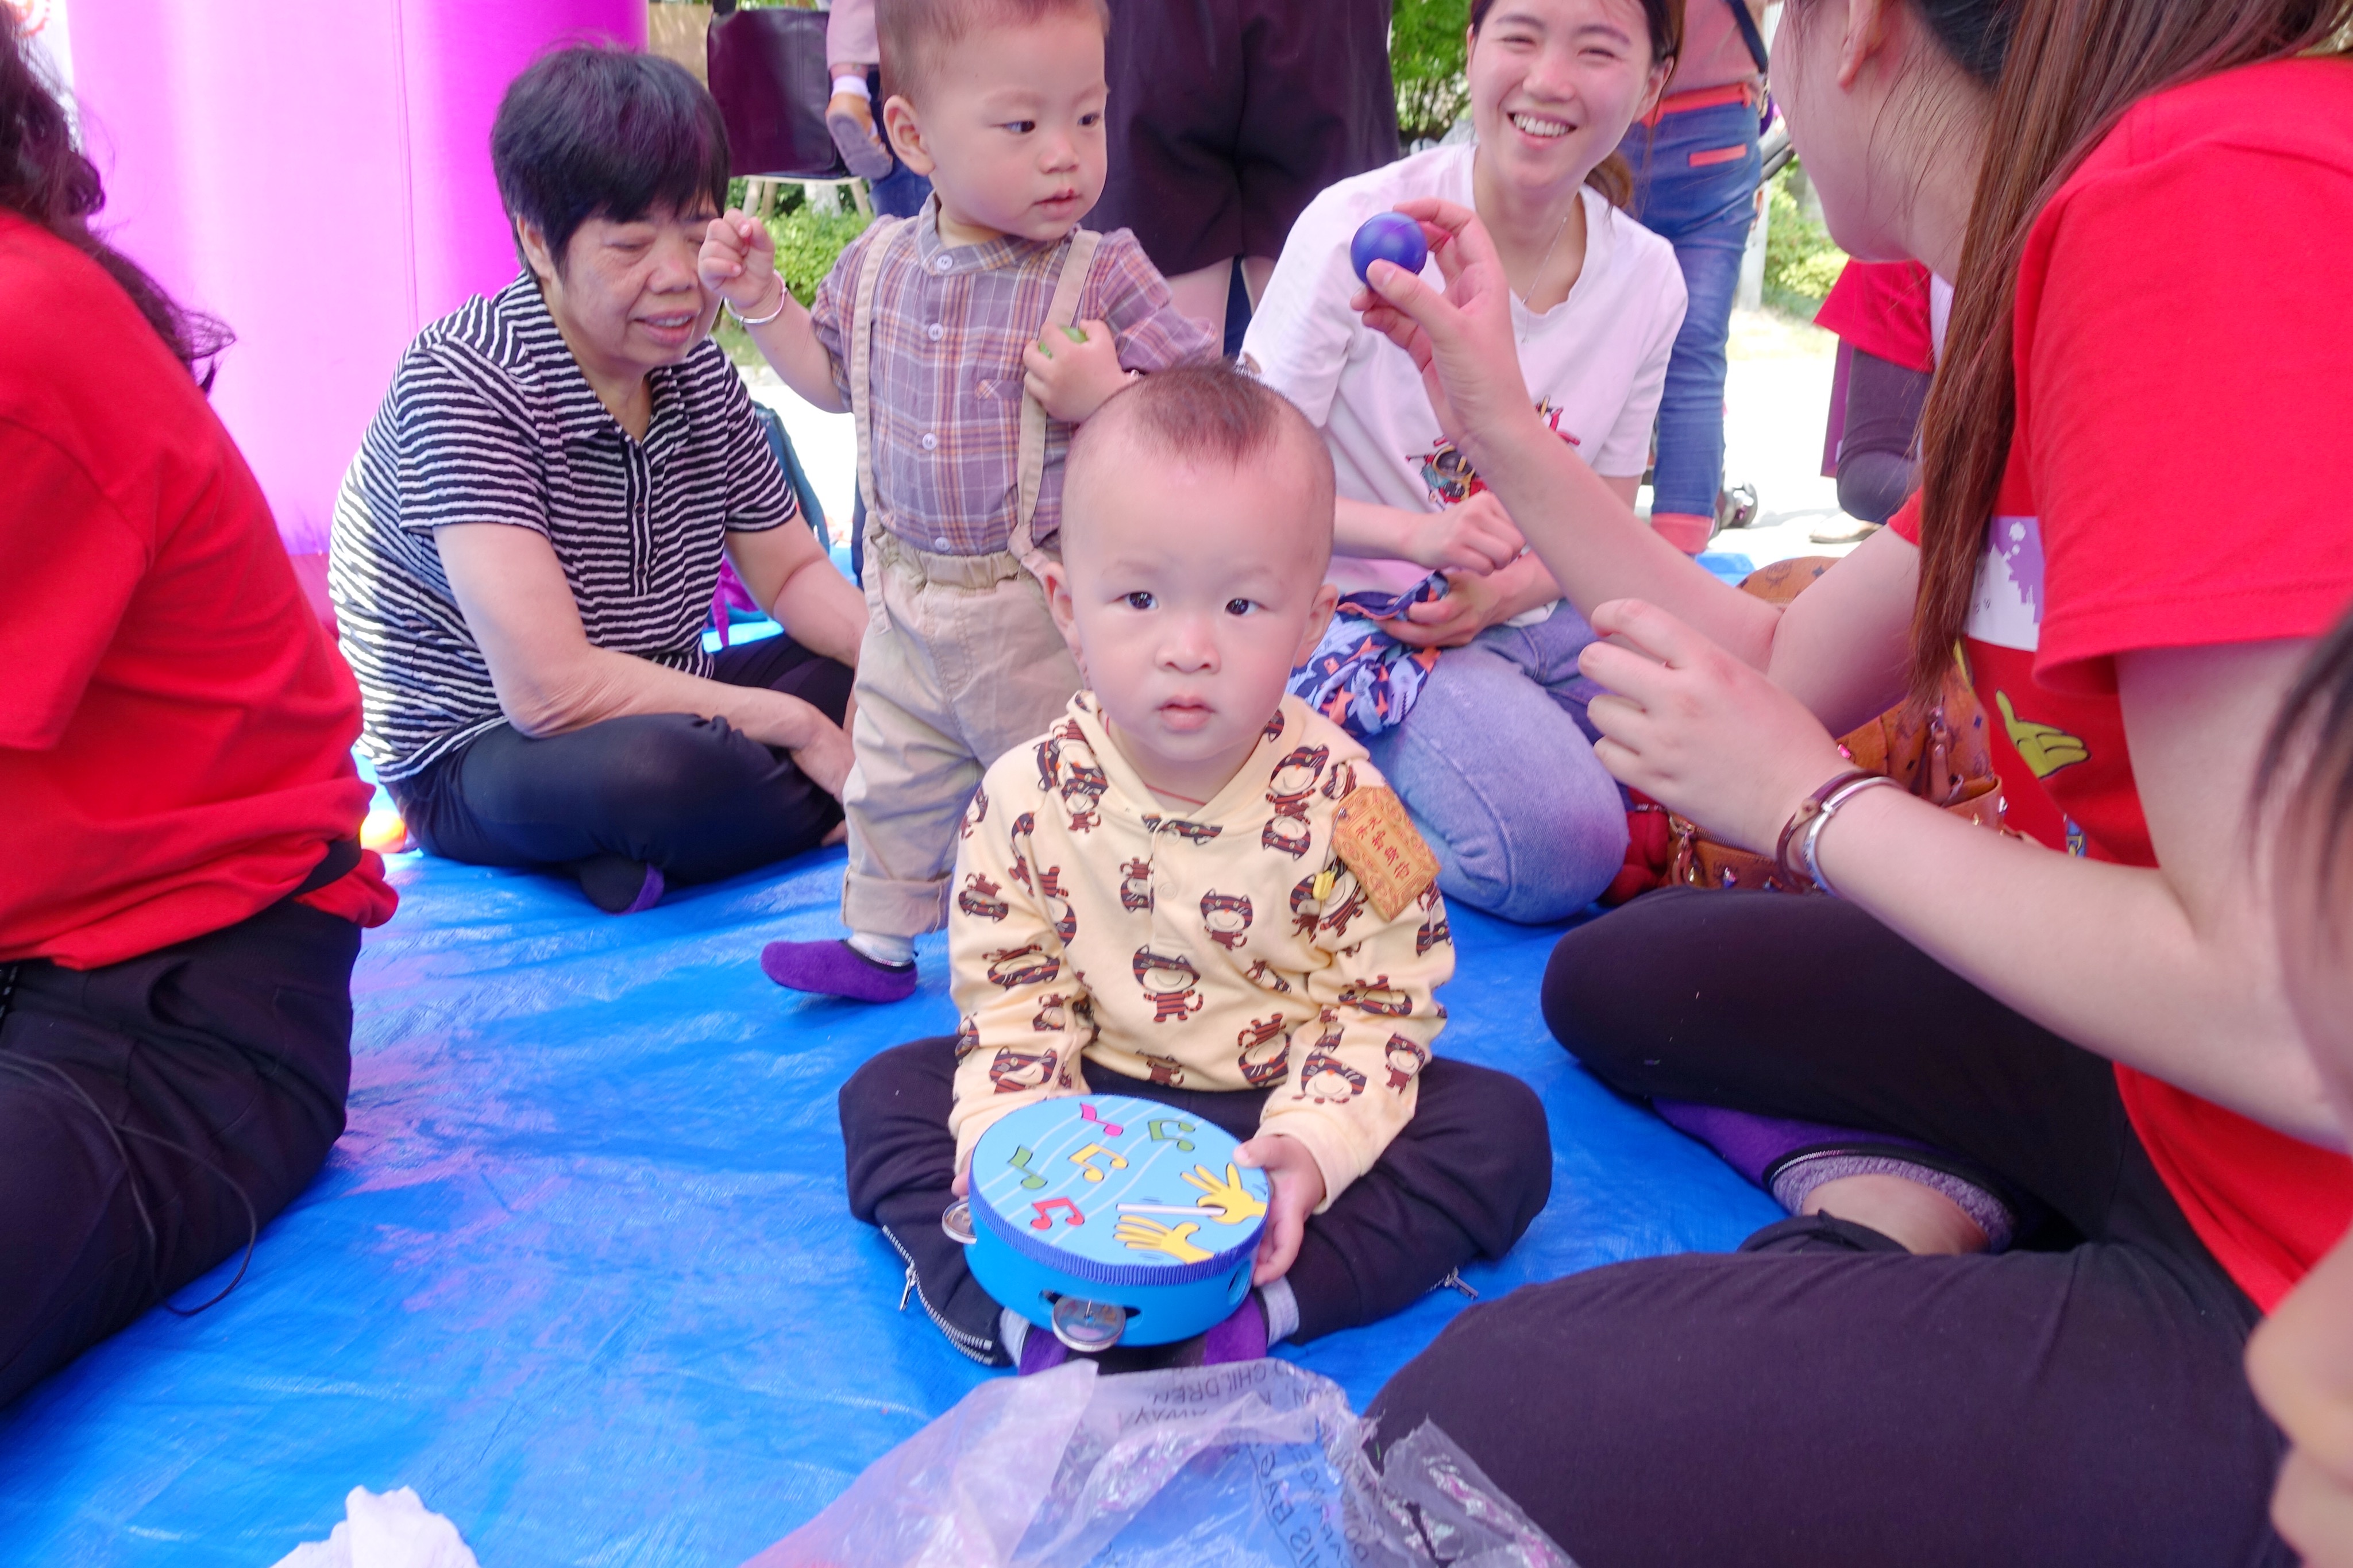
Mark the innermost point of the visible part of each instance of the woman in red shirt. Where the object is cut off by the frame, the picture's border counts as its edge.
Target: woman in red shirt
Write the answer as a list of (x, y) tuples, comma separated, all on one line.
[(184, 887), (2150, 274)]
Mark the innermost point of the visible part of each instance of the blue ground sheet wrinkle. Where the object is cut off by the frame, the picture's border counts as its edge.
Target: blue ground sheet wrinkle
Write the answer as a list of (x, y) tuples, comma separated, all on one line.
[(581, 1272)]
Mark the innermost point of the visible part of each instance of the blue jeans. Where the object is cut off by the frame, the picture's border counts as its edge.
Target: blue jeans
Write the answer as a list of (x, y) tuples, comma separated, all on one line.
[(1499, 775), (1704, 210), (902, 192)]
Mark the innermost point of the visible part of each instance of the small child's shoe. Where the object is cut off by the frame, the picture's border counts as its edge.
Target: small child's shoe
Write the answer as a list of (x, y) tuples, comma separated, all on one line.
[(850, 118), (836, 969)]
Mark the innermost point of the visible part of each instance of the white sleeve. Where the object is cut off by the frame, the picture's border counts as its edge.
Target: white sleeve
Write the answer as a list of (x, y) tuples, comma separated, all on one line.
[(1301, 333), (1628, 449)]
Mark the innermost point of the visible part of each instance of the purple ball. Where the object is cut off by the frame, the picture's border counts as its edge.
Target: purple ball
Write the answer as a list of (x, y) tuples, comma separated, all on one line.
[(1387, 236)]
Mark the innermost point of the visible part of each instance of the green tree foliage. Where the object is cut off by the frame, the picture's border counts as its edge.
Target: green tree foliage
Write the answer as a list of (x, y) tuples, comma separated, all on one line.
[(1801, 261), (807, 241), (1426, 60)]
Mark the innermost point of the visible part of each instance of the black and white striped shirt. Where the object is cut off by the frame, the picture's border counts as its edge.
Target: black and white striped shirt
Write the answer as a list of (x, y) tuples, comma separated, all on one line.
[(490, 420)]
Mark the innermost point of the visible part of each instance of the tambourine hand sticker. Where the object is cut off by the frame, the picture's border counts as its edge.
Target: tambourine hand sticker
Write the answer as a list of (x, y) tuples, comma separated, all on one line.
[(1151, 1236), (1228, 1197)]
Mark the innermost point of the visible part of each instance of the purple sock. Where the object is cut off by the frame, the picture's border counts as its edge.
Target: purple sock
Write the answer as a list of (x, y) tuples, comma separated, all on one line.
[(836, 969), (1795, 1182), (1753, 1145), (1040, 1351), (1241, 1337), (1789, 1158)]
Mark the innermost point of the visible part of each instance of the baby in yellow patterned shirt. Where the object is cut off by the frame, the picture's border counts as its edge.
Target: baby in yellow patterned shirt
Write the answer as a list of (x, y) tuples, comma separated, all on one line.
[(1195, 889)]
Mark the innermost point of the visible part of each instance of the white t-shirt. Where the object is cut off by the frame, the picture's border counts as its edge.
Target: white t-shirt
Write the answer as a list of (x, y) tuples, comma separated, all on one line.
[(1596, 363)]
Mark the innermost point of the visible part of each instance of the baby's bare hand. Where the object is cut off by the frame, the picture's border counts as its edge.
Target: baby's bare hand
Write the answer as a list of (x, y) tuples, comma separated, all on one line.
[(1072, 378), (738, 262), (1298, 1182)]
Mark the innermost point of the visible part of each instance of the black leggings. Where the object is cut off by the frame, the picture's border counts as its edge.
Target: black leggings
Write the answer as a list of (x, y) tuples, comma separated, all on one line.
[(695, 797), (1465, 1179), (2076, 1400), (154, 1113)]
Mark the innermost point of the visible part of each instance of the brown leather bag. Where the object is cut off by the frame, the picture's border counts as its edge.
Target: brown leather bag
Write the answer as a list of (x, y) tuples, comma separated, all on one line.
[(1939, 752)]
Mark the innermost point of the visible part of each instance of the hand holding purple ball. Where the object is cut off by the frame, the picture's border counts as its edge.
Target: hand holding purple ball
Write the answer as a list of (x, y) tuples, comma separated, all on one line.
[(1387, 236)]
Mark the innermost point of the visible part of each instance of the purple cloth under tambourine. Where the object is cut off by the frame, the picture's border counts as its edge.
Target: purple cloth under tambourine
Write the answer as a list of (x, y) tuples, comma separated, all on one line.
[(1359, 677)]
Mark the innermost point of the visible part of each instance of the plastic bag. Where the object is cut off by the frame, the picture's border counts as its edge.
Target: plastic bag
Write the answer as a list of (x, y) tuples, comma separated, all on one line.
[(392, 1531), (1254, 1465)]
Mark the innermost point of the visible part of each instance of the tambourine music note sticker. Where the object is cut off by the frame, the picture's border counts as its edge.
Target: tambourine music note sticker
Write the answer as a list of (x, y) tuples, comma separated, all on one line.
[(1117, 1200)]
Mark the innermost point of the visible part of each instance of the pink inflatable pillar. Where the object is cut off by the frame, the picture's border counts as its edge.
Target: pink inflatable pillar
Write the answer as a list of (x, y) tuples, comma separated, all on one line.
[(318, 175)]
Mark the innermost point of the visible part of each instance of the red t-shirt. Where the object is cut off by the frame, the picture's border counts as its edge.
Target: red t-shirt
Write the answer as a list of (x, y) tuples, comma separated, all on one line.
[(175, 730), (1882, 308), (2185, 385)]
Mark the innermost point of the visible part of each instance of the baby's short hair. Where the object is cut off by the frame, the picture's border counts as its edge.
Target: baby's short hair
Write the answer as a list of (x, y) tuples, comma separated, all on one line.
[(1204, 413), (917, 35)]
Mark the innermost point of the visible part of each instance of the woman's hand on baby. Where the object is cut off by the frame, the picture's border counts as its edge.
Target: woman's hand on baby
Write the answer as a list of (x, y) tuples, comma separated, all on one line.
[(738, 262), (839, 832), (1298, 1184), (1703, 733), (1460, 340), (825, 757), (818, 747), (1474, 535), (1070, 380)]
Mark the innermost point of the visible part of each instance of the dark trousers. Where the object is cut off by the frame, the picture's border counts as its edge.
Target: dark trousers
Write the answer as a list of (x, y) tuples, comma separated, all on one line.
[(154, 1113), (1227, 117), (1463, 1179), (1876, 469), (2077, 1400), (695, 797)]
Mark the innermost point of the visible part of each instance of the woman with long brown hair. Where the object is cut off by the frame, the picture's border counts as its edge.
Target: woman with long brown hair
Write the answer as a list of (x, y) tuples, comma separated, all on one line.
[(2130, 531), (182, 886)]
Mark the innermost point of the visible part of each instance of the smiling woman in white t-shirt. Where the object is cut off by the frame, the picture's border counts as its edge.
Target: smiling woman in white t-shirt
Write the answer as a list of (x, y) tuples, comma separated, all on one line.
[(1490, 758)]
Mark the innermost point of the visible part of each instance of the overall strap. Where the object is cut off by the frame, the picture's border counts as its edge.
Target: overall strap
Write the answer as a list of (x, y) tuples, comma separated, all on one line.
[(1748, 34), (1078, 259), (862, 343)]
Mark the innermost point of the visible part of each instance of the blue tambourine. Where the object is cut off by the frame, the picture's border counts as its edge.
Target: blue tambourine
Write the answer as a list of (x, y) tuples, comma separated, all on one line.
[(1113, 1220)]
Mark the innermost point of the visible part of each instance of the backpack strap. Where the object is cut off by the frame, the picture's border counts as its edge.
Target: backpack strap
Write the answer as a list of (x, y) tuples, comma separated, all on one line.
[(1078, 260)]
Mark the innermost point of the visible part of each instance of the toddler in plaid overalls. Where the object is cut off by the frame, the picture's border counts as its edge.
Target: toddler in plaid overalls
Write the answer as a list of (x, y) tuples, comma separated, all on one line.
[(929, 329)]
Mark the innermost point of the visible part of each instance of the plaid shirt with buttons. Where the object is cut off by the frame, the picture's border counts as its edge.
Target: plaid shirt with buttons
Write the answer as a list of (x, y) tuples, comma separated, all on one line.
[(950, 322)]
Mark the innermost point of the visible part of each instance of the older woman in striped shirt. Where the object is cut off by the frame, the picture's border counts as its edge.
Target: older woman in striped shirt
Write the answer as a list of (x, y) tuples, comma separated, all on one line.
[(528, 541)]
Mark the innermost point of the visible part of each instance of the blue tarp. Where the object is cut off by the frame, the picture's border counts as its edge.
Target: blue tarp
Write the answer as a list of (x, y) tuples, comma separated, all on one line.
[(581, 1272)]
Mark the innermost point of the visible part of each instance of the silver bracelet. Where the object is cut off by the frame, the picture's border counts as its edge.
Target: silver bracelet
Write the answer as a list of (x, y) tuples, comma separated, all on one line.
[(1810, 844), (783, 294)]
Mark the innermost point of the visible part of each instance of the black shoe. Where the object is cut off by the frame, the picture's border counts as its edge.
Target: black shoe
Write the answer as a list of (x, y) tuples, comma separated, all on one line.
[(1735, 508), (618, 885), (1821, 1233)]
